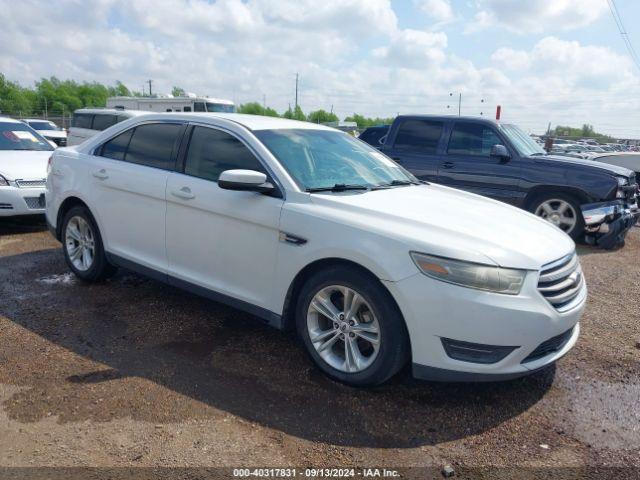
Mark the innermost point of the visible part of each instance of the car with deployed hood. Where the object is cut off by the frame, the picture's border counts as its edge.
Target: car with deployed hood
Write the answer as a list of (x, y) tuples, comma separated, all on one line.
[(310, 229), (23, 168)]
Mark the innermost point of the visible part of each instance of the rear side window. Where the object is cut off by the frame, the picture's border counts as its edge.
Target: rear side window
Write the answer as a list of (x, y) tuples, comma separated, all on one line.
[(198, 107), (419, 135), (102, 122), (472, 139), (82, 120), (117, 146), (211, 152), (153, 145)]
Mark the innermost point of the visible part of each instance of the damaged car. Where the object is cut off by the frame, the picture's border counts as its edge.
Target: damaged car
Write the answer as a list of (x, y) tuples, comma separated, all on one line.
[(588, 200)]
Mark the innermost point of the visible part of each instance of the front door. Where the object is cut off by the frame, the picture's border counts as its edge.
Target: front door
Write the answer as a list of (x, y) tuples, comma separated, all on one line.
[(221, 240), (468, 165)]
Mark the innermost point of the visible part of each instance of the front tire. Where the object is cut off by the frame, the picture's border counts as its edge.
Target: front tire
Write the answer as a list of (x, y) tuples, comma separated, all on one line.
[(561, 210), (82, 246), (351, 327)]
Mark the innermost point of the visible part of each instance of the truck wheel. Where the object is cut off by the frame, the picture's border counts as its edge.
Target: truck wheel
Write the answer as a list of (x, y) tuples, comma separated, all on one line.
[(82, 245), (561, 210), (351, 327)]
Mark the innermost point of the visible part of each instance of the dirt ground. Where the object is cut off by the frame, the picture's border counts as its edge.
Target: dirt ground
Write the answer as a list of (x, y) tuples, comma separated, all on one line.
[(133, 373)]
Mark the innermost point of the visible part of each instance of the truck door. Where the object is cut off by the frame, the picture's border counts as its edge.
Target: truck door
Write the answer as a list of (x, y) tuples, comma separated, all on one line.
[(415, 145), (467, 163)]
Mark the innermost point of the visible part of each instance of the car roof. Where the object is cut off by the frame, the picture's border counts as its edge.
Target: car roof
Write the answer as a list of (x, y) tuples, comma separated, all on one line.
[(9, 120), (251, 122), (449, 118), (111, 111), (35, 120)]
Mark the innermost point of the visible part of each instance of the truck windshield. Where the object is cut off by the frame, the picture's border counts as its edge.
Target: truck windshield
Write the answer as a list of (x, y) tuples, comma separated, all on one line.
[(523, 143), (322, 159), (220, 107)]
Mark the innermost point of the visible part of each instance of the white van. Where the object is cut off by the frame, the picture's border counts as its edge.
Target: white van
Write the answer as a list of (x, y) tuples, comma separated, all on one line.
[(86, 122), (169, 103)]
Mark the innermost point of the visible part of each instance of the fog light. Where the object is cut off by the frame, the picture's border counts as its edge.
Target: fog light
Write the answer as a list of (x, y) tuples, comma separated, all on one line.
[(475, 352)]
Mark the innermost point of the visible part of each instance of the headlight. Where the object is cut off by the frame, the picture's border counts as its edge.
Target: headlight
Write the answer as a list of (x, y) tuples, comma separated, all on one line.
[(471, 275), (622, 182), (3, 182)]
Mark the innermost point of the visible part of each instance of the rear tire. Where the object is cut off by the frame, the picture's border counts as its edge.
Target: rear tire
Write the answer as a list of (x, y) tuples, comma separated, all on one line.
[(351, 327), (561, 210), (82, 246)]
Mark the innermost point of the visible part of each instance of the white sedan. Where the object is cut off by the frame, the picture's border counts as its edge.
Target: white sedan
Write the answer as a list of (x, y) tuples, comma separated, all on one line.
[(48, 130), (309, 228), (23, 169)]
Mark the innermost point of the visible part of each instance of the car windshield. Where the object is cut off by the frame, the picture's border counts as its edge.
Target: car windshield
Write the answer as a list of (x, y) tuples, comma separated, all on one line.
[(44, 125), (17, 136), (322, 159), (522, 142), (220, 107)]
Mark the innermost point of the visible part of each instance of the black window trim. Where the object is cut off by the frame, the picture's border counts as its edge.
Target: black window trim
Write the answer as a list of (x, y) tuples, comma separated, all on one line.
[(97, 151), (184, 146)]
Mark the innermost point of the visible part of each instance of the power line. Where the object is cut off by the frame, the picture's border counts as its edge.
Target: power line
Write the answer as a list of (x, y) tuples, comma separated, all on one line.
[(623, 32)]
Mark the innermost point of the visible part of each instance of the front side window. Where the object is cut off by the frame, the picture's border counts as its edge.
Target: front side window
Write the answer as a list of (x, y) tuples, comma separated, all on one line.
[(82, 120), (18, 136), (102, 122), (419, 135), (153, 145), (472, 139), (325, 158), (211, 152)]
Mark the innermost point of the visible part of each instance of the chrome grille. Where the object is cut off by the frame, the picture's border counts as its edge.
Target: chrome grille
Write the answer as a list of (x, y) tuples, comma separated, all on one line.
[(31, 183), (35, 203), (562, 283)]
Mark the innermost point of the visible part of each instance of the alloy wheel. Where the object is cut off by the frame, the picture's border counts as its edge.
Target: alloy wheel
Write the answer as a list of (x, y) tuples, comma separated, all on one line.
[(559, 212), (343, 329), (80, 243)]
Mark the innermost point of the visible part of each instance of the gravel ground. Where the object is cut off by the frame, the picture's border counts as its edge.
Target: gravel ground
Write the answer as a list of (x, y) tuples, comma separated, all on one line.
[(133, 373)]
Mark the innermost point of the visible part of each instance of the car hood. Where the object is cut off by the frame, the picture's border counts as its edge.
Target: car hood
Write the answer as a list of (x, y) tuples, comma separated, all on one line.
[(52, 133), (442, 221), (24, 164), (612, 169)]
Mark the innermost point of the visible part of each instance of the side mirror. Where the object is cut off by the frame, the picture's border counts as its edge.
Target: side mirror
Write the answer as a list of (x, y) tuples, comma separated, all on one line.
[(245, 180), (501, 152)]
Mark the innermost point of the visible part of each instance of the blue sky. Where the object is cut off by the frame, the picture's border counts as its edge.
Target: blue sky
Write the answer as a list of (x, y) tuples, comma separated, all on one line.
[(558, 61)]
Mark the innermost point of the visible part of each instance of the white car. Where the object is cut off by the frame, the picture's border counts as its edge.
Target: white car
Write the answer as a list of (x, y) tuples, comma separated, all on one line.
[(306, 227), (48, 130), (87, 122), (23, 169)]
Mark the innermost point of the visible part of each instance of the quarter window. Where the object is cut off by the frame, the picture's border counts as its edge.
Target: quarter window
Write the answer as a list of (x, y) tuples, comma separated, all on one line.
[(472, 139), (102, 122), (82, 120), (420, 135), (117, 146), (211, 152), (153, 145)]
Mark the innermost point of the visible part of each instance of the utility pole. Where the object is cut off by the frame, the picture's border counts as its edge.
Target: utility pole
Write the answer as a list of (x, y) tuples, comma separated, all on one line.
[(459, 102), (296, 91), (264, 101), (46, 113), (149, 82)]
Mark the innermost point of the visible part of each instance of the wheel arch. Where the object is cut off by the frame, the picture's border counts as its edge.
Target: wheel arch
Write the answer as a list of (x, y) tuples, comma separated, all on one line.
[(66, 205), (288, 312), (543, 190)]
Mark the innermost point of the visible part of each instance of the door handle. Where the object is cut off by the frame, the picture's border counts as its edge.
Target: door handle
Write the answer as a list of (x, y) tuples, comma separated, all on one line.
[(448, 164), (184, 193), (101, 174)]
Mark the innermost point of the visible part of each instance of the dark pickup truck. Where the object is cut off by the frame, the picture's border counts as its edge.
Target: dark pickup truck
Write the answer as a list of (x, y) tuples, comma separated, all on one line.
[(586, 199)]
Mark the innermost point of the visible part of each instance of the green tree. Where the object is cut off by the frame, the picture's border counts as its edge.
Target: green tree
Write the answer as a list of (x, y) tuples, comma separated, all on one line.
[(254, 108), (364, 122), (178, 92), (322, 116), (295, 114)]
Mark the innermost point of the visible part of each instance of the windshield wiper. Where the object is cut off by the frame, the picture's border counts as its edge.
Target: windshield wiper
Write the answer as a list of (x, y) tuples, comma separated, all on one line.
[(338, 187), (398, 183)]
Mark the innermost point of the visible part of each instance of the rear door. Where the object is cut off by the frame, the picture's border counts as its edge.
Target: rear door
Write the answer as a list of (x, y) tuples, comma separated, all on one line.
[(415, 146), (468, 165), (129, 177), (221, 240)]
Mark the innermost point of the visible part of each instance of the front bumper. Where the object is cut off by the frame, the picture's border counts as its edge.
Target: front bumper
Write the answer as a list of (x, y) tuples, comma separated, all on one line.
[(435, 310), (21, 201), (607, 223)]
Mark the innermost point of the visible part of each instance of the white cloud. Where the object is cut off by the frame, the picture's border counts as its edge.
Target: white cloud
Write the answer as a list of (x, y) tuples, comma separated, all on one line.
[(439, 10), (535, 16), (414, 49)]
